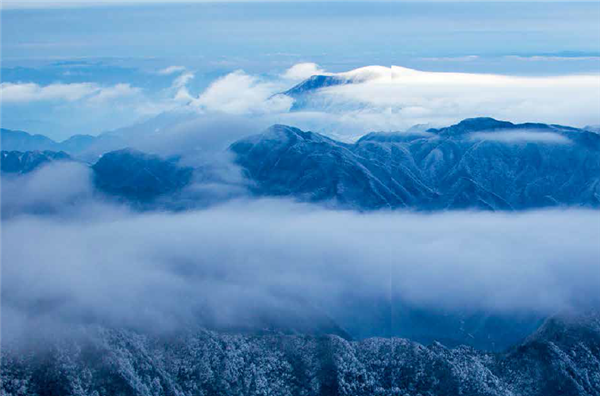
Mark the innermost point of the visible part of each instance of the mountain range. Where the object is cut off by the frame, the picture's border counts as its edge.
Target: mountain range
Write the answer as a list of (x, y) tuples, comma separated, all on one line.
[(23, 141), (479, 163)]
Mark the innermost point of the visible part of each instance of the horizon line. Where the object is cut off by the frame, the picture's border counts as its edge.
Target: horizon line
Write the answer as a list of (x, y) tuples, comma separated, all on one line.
[(50, 4)]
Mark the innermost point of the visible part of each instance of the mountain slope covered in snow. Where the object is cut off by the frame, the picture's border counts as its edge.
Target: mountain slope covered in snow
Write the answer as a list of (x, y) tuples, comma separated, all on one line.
[(561, 358), (479, 163)]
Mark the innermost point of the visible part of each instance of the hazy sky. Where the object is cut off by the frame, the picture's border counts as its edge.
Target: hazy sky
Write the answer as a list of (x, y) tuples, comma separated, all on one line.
[(81, 3), (264, 36), (88, 70)]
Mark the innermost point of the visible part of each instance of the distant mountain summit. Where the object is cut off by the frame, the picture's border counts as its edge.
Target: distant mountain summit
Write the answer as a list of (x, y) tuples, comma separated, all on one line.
[(23, 141), (319, 81), (314, 83), (490, 125)]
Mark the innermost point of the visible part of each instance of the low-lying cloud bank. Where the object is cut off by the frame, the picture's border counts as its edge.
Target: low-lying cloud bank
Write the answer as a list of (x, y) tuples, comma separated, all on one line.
[(50, 189), (229, 265)]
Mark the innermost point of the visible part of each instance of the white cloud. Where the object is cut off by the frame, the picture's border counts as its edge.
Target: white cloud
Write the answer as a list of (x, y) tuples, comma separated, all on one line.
[(468, 58), (521, 136), (97, 107), (552, 58), (51, 187), (183, 80), (405, 97), (235, 261), (171, 70), (182, 94), (241, 93), (117, 91), (369, 73), (302, 71), (31, 92)]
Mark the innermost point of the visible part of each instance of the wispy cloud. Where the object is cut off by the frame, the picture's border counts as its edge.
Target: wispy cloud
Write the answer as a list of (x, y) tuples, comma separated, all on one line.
[(552, 58), (521, 136), (171, 70), (241, 93), (467, 58), (117, 91), (31, 92), (302, 71)]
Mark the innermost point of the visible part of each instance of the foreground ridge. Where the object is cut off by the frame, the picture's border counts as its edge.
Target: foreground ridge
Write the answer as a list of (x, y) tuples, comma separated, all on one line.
[(561, 358)]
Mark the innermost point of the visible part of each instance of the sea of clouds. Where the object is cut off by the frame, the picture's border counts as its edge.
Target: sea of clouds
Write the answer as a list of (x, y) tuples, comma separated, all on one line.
[(81, 259), (70, 256)]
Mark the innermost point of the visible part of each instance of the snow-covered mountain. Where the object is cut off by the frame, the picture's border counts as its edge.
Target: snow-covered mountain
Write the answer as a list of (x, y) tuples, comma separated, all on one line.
[(561, 358), (139, 177), (355, 76), (17, 162), (314, 83), (479, 163), (127, 174)]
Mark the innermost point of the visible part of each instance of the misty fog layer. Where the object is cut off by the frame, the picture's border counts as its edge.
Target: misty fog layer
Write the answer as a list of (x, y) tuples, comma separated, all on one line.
[(228, 265)]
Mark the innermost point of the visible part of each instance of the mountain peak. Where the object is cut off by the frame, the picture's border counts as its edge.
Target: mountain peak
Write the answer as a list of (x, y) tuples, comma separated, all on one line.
[(484, 122), (292, 132), (23, 162), (138, 176), (473, 125), (314, 83), (280, 134), (394, 170), (568, 327)]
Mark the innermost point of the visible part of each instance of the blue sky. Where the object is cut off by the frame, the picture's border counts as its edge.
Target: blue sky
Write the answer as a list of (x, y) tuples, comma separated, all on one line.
[(117, 46)]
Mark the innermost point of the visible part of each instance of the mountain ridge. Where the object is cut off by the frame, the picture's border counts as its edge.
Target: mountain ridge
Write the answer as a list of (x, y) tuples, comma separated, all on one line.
[(479, 163), (103, 361), (440, 169)]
